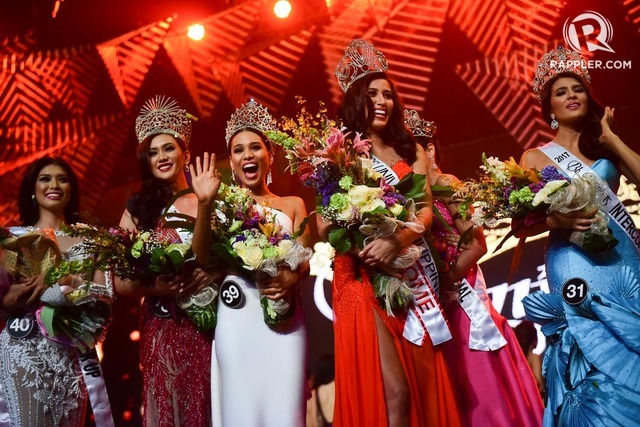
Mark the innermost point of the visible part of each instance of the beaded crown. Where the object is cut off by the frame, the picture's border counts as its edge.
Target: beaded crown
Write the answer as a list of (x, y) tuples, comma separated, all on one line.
[(559, 60), (419, 126), (360, 58), (250, 115), (163, 115)]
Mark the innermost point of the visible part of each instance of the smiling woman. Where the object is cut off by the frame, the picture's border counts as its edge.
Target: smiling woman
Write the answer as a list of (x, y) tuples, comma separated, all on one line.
[(592, 367), (172, 393)]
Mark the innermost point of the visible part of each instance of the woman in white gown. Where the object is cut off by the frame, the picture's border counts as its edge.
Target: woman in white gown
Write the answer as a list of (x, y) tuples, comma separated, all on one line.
[(261, 380)]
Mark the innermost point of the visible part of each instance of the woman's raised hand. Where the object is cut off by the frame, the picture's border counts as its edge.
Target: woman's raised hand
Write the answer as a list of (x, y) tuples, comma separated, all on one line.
[(205, 178)]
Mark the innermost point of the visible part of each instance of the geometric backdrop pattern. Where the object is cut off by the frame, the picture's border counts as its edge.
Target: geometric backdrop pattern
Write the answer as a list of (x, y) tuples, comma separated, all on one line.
[(45, 96)]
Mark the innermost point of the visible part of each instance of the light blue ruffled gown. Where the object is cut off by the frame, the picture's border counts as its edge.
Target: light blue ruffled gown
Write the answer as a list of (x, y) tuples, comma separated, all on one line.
[(592, 366)]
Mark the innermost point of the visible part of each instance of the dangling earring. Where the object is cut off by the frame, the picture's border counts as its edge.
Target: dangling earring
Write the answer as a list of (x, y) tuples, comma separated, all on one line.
[(554, 122), (33, 199), (269, 179), (233, 175), (186, 168)]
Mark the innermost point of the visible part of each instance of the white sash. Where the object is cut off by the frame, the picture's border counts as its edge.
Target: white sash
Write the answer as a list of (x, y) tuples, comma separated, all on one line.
[(571, 165), (425, 315), (484, 335), (94, 380)]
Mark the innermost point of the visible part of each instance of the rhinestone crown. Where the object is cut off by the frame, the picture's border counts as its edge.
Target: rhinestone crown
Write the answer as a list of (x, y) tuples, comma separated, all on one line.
[(163, 115), (418, 125), (250, 115), (360, 58), (559, 60)]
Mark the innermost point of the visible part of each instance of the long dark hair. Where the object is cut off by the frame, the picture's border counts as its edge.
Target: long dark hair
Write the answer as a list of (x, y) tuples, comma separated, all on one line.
[(146, 205), (353, 113), (591, 129), (325, 371), (29, 209)]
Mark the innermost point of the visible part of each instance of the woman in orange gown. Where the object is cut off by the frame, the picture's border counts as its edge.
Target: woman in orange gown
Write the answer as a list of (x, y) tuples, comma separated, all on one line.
[(383, 378)]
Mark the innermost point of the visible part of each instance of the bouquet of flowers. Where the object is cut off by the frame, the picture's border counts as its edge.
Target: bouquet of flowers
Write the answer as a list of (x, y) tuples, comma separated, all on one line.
[(253, 243), (505, 190), (76, 315), (132, 254), (350, 194)]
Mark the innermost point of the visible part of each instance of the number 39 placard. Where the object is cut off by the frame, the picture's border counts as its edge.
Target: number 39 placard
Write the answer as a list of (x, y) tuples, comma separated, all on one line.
[(231, 294)]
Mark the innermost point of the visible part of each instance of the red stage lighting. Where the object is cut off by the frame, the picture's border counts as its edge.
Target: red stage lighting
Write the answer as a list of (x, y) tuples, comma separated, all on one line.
[(282, 9), (196, 32)]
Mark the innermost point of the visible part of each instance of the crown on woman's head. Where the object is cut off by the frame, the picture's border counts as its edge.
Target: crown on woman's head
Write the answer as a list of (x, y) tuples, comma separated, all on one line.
[(163, 115), (559, 60), (360, 58), (250, 115), (419, 126)]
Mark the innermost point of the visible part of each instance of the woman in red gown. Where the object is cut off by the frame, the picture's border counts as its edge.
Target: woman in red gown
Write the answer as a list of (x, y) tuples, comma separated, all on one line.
[(383, 378)]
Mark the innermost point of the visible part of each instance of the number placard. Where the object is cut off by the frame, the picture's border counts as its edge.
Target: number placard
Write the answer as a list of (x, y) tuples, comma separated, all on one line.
[(159, 309), (21, 327), (574, 292), (231, 295)]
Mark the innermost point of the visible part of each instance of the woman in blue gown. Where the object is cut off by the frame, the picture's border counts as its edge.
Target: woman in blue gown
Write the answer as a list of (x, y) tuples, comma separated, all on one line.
[(592, 314)]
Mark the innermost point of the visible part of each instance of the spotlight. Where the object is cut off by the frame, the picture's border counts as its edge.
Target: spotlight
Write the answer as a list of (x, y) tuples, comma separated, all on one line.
[(196, 32), (134, 336), (282, 9)]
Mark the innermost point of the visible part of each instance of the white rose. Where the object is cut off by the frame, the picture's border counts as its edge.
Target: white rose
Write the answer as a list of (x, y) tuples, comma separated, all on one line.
[(366, 198), (253, 257), (284, 247), (396, 209)]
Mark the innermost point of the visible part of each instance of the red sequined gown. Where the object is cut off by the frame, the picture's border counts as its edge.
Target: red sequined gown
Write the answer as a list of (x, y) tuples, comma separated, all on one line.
[(175, 360), (359, 383)]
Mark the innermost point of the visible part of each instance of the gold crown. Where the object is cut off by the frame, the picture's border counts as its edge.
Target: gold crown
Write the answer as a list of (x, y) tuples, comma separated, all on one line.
[(163, 115), (559, 60), (252, 116), (360, 58), (419, 126)]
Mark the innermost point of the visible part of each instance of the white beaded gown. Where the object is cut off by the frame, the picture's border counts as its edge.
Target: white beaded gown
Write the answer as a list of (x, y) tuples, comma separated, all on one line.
[(258, 372)]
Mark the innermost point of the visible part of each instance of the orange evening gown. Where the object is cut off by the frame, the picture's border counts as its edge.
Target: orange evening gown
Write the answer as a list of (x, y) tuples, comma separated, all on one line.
[(359, 384)]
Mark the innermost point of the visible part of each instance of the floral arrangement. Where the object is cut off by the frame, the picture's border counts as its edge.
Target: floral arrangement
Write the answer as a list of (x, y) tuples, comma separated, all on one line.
[(350, 194), (253, 243), (133, 254), (505, 190), (74, 315)]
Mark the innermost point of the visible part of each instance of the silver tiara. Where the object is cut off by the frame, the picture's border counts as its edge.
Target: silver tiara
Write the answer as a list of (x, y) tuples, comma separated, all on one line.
[(163, 115), (251, 115), (419, 126), (360, 58)]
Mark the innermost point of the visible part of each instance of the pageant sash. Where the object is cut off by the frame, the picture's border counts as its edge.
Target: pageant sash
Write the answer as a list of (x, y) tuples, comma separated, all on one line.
[(94, 380), (484, 335), (424, 315), (571, 165)]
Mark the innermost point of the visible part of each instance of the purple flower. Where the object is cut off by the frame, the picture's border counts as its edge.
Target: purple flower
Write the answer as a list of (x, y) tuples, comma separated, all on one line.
[(240, 238), (537, 186), (550, 173)]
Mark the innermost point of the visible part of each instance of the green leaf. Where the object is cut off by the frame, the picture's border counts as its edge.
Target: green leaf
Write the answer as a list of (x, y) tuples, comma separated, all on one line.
[(176, 259), (412, 186), (47, 316), (339, 239), (442, 191)]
